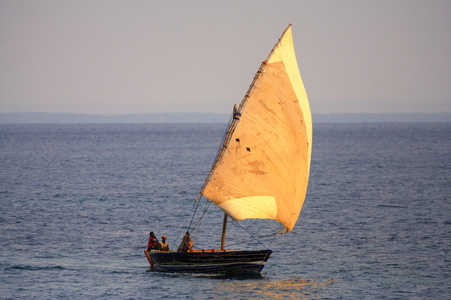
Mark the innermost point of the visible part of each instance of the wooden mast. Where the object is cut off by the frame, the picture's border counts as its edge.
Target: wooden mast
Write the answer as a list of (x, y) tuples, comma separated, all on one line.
[(224, 225)]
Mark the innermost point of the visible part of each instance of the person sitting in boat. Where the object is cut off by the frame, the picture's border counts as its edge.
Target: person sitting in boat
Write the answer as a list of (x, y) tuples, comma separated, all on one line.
[(187, 244), (152, 244), (164, 246)]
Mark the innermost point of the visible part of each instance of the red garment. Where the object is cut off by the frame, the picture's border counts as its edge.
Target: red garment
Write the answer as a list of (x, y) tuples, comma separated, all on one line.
[(152, 243)]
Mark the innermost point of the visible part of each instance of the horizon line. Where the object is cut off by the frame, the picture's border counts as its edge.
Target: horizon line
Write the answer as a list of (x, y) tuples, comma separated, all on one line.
[(200, 117), (217, 113)]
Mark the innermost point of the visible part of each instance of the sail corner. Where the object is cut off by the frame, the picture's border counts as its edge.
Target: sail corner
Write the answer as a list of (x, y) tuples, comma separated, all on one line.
[(282, 231)]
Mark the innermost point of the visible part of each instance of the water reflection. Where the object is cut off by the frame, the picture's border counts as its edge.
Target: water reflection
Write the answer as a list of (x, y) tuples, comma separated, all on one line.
[(295, 288)]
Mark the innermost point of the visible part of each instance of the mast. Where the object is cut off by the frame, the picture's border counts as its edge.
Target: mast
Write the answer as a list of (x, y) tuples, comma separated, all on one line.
[(224, 225)]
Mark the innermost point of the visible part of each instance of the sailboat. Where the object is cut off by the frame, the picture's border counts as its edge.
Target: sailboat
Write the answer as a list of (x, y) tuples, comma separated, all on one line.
[(262, 167)]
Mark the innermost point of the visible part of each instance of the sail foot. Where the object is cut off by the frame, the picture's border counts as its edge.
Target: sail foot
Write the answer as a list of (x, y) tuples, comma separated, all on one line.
[(255, 207)]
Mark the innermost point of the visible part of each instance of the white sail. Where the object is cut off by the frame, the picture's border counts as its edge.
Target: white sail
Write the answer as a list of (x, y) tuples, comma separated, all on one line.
[(263, 169)]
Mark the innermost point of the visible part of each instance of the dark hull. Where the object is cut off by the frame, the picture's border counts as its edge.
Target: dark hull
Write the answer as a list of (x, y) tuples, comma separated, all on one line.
[(225, 262)]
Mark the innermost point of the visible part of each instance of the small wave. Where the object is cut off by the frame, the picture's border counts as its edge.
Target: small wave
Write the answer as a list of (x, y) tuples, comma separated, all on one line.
[(36, 268), (59, 195), (390, 206)]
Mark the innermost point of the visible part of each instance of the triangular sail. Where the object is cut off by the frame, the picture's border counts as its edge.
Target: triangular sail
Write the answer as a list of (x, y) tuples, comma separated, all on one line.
[(263, 167)]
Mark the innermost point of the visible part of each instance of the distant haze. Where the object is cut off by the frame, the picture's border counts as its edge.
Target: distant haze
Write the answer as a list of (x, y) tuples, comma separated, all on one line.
[(133, 57), (59, 118)]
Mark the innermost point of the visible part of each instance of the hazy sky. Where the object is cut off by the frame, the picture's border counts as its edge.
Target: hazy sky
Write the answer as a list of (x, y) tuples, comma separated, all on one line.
[(114, 57)]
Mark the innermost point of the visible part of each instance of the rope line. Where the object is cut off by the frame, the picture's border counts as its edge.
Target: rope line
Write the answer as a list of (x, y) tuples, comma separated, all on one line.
[(253, 239), (207, 205)]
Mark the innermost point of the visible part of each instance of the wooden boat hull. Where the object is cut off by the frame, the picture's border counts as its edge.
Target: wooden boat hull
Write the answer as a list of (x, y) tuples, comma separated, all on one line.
[(221, 262)]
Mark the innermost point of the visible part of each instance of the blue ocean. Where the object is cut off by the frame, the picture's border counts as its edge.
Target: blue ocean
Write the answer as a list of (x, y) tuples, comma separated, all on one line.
[(78, 202)]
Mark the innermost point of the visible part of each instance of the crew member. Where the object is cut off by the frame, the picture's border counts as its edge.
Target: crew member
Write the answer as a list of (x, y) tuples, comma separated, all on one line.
[(187, 244), (152, 244), (164, 246)]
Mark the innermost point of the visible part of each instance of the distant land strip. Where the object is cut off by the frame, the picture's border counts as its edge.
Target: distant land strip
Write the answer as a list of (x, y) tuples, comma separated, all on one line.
[(49, 118)]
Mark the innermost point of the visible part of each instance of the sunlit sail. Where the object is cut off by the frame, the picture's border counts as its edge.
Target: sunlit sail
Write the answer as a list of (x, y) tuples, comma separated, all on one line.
[(262, 168)]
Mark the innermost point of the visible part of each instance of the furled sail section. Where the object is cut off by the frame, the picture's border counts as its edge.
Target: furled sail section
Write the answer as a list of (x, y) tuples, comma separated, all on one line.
[(263, 169)]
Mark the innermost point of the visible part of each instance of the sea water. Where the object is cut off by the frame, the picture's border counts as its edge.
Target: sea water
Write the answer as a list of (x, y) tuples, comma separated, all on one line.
[(78, 202)]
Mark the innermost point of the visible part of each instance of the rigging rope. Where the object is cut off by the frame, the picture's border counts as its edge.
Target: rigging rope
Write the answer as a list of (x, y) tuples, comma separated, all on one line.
[(233, 123), (253, 239), (207, 205), (199, 196), (186, 220), (195, 206)]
